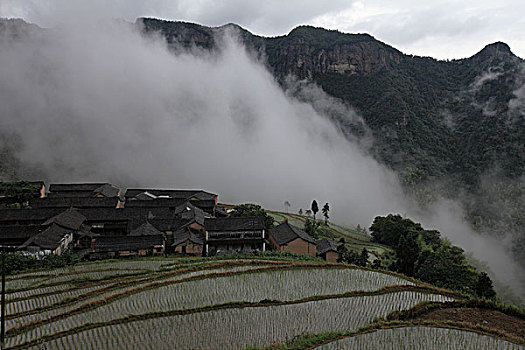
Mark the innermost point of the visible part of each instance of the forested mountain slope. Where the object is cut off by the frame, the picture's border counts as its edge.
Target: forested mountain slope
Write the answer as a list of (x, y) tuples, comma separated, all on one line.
[(446, 127)]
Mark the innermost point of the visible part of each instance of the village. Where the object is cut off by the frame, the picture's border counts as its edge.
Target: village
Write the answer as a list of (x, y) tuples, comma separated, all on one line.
[(98, 220)]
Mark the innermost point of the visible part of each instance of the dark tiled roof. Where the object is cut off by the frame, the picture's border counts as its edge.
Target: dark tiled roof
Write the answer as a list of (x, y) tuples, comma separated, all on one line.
[(18, 234), (158, 202), (125, 213), (190, 212), (286, 232), (48, 239), (325, 245), (77, 202), (75, 187), (124, 243), (180, 194), (74, 194), (171, 224), (163, 219), (204, 204), (146, 229), (70, 219), (220, 212), (234, 224), (15, 215), (107, 190), (185, 234)]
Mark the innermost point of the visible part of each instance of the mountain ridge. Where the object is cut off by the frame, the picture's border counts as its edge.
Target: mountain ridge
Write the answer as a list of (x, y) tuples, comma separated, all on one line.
[(444, 126)]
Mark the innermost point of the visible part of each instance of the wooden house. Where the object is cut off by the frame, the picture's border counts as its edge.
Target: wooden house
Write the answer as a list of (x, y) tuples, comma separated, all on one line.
[(16, 235), (188, 241), (234, 235), (169, 197), (115, 246), (105, 190), (289, 238), (27, 216), (327, 249), (76, 202), (55, 239)]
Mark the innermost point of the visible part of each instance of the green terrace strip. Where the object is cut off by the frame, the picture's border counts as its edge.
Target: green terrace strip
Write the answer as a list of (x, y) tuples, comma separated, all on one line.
[(427, 307), (402, 319), (120, 285), (421, 338), (236, 324), (300, 283)]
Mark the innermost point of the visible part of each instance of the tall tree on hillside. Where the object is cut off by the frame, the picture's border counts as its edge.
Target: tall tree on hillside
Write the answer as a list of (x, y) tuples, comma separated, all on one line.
[(483, 287), (325, 210), (308, 212), (315, 207), (310, 227), (287, 206)]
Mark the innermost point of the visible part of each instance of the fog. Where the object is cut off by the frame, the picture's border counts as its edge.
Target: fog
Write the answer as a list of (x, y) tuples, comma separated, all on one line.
[(97, 101)]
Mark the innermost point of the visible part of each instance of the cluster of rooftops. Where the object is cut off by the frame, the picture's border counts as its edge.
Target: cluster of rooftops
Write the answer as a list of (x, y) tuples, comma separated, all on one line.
[(100, 220)]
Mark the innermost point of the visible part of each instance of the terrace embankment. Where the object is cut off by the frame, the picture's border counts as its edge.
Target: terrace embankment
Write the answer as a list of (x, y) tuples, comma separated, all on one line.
[(476, 316)]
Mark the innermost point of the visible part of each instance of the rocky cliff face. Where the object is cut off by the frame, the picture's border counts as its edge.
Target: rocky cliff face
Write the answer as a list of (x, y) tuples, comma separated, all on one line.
[(305, 59), (303, 53)]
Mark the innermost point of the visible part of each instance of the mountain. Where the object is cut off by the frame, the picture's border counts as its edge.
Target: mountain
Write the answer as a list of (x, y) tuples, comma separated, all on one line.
[(450, 128), (419, 108), (444, 126)]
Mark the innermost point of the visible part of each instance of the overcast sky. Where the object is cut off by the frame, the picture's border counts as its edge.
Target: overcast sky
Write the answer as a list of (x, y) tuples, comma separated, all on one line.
[(441, 29)]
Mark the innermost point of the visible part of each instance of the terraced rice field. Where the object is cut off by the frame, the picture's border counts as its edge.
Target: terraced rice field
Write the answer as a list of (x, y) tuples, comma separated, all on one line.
[(161, 304), (421, 338)]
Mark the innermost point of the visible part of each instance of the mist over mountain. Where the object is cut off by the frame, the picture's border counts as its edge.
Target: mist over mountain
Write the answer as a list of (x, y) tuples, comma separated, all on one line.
[(450, 129), (340, 117)]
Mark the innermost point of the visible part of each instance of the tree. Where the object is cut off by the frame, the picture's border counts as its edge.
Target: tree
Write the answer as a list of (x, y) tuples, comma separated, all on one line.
[(287, 206), (251, 210), (301, 211), (308, 212), (483, 287), (342, 250), (447, 268), (310, 227), (325, 210), (363, 261), (389, 229), (18, 193), (315, 207), (407, 252)]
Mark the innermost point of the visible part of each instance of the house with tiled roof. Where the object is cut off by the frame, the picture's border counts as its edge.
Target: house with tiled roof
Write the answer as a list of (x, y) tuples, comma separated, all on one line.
[(55, 239), (170, 198), (188, 241), (234, 235), (115, 246), (106, 190), (327, 249), (76, 202), (289, 238)]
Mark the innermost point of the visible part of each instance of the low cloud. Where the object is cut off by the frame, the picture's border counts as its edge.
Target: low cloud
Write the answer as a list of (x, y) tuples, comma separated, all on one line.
[(97, 101)]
